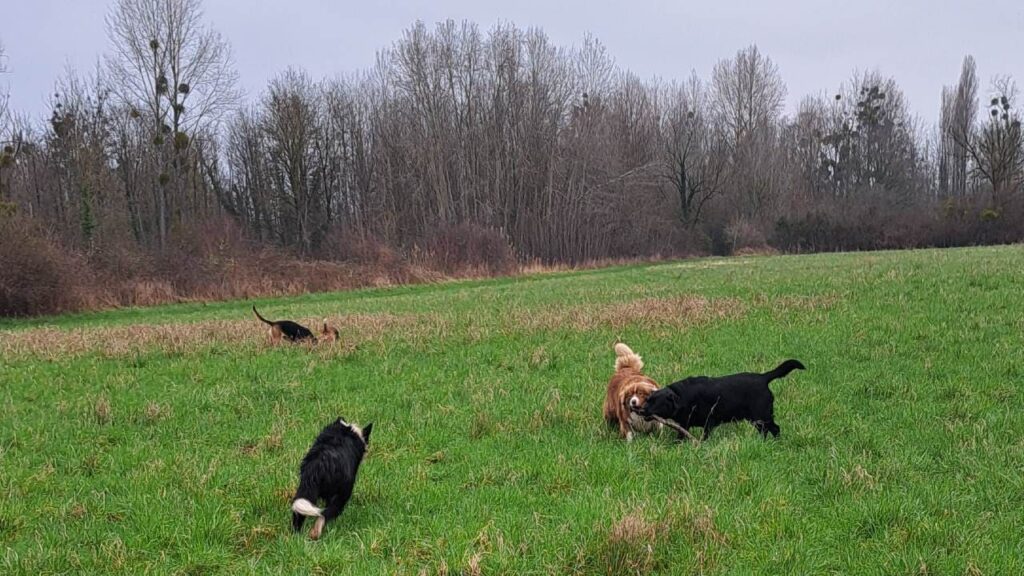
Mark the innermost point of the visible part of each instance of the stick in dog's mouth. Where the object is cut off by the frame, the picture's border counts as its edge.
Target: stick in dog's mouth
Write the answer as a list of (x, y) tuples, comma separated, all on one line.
[(670, 423)]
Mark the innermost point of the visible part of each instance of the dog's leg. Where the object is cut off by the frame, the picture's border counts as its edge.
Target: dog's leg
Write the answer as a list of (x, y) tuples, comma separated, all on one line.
[(297, 521), (767, 427), (708, 427), (334, 508), (624, 430), (761, 427)]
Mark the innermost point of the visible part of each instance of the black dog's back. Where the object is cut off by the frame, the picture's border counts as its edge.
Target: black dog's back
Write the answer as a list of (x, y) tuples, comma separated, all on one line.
[(294, 331), (289, 330), (332, 461), (710, 401)]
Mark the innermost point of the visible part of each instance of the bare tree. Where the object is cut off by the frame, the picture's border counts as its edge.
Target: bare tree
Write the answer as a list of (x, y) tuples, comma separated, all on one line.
[(7, 147), (957, 119), (747, 95), (292, 132), (4, 96), (167, 61), (997, 147), (178, 75), (695, 154)]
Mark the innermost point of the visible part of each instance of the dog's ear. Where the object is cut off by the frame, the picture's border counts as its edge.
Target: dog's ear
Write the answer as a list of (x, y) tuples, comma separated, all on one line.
[(664, 402), (366, 432), (676, 399)]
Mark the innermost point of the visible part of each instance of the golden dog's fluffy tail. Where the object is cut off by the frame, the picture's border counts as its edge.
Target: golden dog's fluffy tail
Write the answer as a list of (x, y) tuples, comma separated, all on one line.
[(626, 358)]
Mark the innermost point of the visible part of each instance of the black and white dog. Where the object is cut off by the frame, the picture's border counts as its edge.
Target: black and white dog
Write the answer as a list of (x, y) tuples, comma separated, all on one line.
[(328, 472), (709, 401)]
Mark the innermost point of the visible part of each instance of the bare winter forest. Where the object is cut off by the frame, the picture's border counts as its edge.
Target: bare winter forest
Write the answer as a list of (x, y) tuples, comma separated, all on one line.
[(465, 151)]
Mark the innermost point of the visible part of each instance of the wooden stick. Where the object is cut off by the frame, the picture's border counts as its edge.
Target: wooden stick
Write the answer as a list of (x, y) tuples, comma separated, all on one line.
[(675, 426)]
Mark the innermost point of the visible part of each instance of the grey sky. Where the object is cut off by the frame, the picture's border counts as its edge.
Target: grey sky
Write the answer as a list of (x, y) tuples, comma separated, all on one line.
[(816, 44)]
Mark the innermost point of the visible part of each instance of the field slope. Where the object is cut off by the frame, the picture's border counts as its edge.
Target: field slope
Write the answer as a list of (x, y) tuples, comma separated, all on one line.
[(167, 440)]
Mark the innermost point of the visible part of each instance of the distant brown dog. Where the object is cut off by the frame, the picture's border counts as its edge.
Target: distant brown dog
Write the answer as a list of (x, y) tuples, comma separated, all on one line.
[(329, 333), (629, 387)]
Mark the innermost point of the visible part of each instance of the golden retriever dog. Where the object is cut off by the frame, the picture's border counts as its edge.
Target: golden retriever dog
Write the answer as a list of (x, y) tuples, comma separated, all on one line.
[(628, 391)]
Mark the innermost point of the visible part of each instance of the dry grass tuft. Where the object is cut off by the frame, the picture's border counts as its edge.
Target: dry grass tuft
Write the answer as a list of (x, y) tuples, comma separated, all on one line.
[(628, 547), (154, 412), (702, 527), (634, 529), (858, 477), (256, 536), (482, 425), (78, 511), (102, 410), (676, 312), (539, 358), (284, 493), (270, 443)]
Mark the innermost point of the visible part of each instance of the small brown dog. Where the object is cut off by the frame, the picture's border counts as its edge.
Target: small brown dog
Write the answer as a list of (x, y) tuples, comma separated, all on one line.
[(627, 391), (329, 333)]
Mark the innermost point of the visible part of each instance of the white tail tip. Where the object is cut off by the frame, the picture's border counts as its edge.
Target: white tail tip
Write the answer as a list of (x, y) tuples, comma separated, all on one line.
[(306, 508), (623, 350)]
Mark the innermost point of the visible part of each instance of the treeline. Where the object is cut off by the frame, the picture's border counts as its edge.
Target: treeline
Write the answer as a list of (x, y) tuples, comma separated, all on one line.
[(491, 146)]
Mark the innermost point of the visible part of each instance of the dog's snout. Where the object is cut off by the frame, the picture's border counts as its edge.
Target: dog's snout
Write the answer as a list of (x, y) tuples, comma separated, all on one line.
[(634, 402)]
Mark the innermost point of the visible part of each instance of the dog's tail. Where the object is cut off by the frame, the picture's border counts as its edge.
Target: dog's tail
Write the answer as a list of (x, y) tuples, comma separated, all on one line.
[(306, 508), (626, 358), (784, 369), (260, 317)]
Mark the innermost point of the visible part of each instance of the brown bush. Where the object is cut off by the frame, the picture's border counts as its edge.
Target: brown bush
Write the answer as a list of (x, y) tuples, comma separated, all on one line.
[(745, 234), (351, 246), (36, 276), (469, 248)]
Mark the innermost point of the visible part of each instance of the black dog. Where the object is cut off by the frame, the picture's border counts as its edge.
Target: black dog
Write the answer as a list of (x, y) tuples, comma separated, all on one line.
[(292, 331), (328, 472), (707, 402)]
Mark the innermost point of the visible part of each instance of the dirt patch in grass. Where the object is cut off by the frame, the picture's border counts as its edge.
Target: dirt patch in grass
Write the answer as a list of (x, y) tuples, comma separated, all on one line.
[(642, 541), (117, 341)]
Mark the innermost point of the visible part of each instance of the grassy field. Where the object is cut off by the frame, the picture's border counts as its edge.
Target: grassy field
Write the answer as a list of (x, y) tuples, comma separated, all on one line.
[(167, 440)]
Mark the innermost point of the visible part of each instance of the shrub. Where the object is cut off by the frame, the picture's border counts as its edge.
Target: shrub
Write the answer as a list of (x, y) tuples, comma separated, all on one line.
[(36, 276), (468, 247)]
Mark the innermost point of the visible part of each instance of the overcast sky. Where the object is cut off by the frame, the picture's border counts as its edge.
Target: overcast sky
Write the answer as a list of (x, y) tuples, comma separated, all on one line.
[(816, 44)]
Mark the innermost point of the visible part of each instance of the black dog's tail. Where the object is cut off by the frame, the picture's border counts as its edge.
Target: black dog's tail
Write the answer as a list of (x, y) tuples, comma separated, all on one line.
[(784, 369), (306, 508), (260, 317)]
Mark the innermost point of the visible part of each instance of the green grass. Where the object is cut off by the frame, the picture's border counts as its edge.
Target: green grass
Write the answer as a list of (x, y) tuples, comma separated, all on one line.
[(902, 447)]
